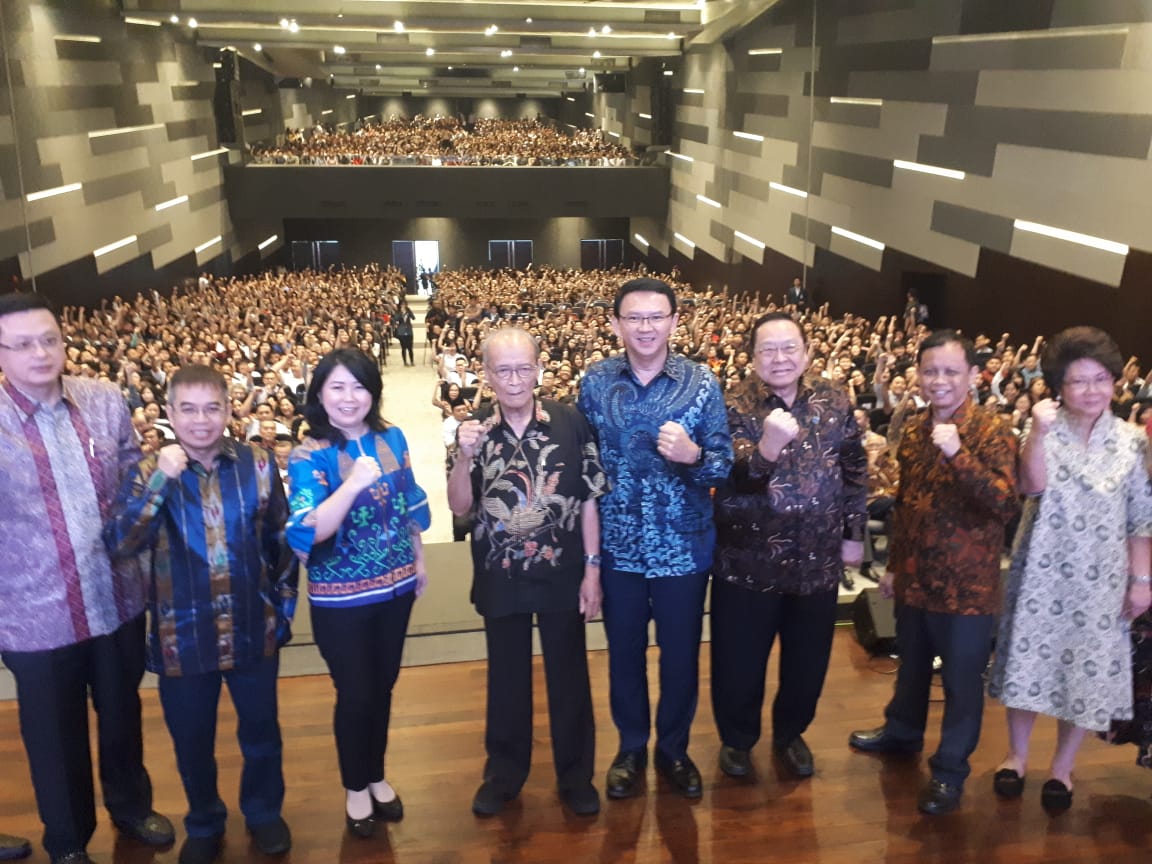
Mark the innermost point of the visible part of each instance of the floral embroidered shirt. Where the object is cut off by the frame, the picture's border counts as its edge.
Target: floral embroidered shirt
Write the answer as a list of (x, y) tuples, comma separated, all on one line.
[(527, 546)]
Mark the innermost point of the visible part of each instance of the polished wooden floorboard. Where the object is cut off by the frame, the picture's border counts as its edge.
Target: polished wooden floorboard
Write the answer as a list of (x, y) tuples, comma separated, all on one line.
[(857, 809)]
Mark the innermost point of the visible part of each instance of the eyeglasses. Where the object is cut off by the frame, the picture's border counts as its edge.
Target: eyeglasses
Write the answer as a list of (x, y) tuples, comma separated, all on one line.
[(48, 343), (639, 320), (1104, 382), (210, 411), (789, 350), (505, 373)]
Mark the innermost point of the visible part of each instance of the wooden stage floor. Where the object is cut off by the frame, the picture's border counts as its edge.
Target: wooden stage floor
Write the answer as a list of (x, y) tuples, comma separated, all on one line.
[(857, 809)]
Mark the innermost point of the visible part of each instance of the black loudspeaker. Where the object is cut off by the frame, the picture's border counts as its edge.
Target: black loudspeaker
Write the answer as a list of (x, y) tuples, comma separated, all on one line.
[(226, 100), (874, 618), (610, 82)]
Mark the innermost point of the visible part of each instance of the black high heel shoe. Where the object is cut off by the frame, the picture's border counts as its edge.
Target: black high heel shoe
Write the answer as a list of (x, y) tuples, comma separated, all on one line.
[(389, 811)]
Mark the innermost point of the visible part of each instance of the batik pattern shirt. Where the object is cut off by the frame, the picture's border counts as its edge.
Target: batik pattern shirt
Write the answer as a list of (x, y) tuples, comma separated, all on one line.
[(949, 517), (223, 580), (780, 524), (657, 518), (527, 546), (60, 466)]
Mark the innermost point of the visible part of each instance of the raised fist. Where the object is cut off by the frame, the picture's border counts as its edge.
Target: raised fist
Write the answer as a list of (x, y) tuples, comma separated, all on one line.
[(780, 428)]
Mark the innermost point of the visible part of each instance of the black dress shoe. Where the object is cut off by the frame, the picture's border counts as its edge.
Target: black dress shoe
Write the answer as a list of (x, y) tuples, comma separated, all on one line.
[(938, 798), (735, 763), (796, 755), (1008, 783), (152, 830), (490, 799), (583, 800), (389, 811), (625, 773), (880, 741), (682, 774), (200, 850), (14, 848), (73, 858), (362, 828), (847, 582), (1055, 797), (272, 838)]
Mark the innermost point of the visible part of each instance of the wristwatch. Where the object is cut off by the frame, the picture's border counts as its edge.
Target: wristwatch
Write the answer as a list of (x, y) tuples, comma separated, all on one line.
[(592, 559)]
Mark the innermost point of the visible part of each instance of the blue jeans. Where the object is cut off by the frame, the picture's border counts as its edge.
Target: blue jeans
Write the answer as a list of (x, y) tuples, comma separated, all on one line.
[(676, 604), (963, 643), (190, 704)]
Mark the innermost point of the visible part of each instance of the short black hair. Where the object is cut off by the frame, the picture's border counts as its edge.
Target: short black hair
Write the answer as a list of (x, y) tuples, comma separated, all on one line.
[(1079, 343), (26, 301), (364, 370), (769, 317), (644, 283), (194, 374), (940, 338)]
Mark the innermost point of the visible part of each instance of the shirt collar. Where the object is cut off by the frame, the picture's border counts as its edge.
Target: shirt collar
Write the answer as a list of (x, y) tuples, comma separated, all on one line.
[(540, 416), (672, 368), (229, 450), (28, 406), (960, 418), (766, 394)]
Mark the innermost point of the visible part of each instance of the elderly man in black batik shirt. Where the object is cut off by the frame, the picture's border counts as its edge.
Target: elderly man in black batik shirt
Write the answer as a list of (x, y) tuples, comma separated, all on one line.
[(791, 515), (532, 469)]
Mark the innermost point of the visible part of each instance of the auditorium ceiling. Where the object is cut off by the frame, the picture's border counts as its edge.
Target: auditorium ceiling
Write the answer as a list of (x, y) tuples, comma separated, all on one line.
[(450, 47)]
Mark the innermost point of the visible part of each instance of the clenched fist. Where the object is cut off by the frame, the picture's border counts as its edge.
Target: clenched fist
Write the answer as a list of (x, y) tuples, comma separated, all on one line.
[(674, 444), (172, 460), (1044, 415), (947, 438), (365, 472), (780, 428), (469, 435)]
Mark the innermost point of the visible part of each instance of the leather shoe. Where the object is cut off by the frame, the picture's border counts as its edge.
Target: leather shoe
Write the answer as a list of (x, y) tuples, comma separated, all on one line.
[(362, 828), (1008, 783), (582, 800), (13, 848), (938, 798), (389, 811), (735, 763), (490, 799), (1055, 797), (797, 757), (625, 773), (682, 774), (152, 830), (272, 838), (200, 850), (73, 858), (880, 741)]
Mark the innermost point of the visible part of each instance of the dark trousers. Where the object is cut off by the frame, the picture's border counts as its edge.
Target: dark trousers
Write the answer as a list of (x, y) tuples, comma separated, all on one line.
[(406, 355), (963, 643), (362, 646), (52, 688), (744, 626), (508, 734), (190, 707), (676, 604)]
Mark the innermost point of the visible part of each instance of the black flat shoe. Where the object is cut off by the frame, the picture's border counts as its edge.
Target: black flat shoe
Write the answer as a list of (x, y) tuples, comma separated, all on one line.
[(1055, 797), (682, 774), (1008, 783), (735, 763), (625, 773), (152, 830), (937, 798), (490, 799), (797, 757), (389, 811), (362, 828)]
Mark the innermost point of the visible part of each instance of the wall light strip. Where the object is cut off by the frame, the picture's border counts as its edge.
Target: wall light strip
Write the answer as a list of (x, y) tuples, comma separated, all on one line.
[(589, 114), (929, 169), (780, 187), (694, 91), (854, 100), (123, 130), (325, 111), (749, 136), (204, 246), (644, 116), (268, 242), (614, 134), (350, 96), (755, 52), (74, 37), (252, 111), (640, 239), (859, 238), (681, 156), (683, 239), (570, 98), (1071, 236), (209, 153), (704, 199), (147, 22), (751, 240), (50, 193), (1054, 33), (171, 202), (112, 247), (570, 125)]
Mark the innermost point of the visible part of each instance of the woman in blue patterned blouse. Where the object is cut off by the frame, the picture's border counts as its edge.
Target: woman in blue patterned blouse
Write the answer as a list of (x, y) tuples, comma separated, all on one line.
[(357, 515)]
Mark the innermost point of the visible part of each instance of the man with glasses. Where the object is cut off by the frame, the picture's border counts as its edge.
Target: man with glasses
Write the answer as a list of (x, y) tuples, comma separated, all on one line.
[(791, 515), (210, 512), (71, 620), (663, 435), (530, 472)]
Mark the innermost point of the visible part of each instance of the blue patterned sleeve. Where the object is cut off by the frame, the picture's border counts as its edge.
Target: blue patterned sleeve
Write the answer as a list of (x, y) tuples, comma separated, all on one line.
[(416, 498), (713, 435), (310, 487)]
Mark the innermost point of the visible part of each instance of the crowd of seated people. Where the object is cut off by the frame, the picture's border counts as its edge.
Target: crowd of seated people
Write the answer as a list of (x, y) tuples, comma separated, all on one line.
[(443, 141)]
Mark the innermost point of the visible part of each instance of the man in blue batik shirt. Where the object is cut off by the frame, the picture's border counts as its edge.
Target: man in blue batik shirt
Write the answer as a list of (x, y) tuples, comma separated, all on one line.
[(664, 443)]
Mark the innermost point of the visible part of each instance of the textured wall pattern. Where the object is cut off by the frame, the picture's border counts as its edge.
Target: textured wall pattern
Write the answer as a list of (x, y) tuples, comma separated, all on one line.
[(1046, 108)]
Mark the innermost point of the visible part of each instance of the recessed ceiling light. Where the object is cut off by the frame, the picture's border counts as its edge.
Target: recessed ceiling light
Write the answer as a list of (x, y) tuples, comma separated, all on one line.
[(293, 27), (175, 19), (257, 47), (377, 67), (527, 20), (449, 68), (398, 26), (339, 14), (283, 22), (605, 29), (581, 70), (428, 52), (338, 49), (671, 35), (193, 23), (595, 55), (515, 68), (591, 31)]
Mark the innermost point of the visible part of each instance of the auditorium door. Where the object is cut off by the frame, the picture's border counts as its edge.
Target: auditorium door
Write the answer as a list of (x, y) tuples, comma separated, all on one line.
[(419, 261), (509, 254), (601, 254), (316, 255)]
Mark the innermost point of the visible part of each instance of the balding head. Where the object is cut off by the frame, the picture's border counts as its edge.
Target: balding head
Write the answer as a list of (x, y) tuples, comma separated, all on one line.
[(508, 336)]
